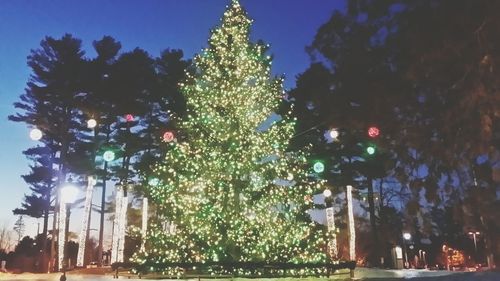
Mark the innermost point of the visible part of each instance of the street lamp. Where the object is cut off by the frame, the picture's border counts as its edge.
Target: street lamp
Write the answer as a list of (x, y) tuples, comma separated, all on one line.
[(406, 237), (68, 194)]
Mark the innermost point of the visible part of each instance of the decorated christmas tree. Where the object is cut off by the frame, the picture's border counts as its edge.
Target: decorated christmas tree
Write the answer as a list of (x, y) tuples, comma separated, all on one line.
[(228, 189)]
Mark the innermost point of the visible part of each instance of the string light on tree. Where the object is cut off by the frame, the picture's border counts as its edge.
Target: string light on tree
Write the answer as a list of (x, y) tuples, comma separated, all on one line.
[(209, 180), (108, 155), (168, 136), (370, 149), (118, 224), (352, 230), (373, 132), (91, 123), (333, 133), (154, 181), (91, 182), (67, 195), (319, 167), (330, 221), (327, 193)]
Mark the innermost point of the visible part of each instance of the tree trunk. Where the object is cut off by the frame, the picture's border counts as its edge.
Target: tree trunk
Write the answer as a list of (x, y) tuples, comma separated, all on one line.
[(61, 178), (374, 256), (101, 225)]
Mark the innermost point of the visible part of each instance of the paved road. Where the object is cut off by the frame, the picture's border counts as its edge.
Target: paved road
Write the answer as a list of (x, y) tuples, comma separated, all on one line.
[(361, 274)]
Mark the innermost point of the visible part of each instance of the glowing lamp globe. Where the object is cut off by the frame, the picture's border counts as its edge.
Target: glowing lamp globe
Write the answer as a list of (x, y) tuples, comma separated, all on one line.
[(319, 167), (91, 123), (327, 193), (69, 193), (407, 236), (168, 136), (370, 150), (334, 133), (373, 132), (129, 117), (35, 134), (108, 156)]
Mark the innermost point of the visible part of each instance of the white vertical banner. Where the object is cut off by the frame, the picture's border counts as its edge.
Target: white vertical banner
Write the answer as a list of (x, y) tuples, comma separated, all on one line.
[(352, 230), (86, 214), (330, 221), (116, 223), (144, 228), (61, 237), (123, 227)]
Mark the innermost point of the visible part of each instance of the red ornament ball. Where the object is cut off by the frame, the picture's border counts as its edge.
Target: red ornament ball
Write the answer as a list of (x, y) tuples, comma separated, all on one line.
[(373, 132), (168, 136), (129, 117)]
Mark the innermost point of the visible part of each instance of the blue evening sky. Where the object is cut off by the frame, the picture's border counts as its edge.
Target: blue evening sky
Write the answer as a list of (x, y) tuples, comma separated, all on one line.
[(287, 25)]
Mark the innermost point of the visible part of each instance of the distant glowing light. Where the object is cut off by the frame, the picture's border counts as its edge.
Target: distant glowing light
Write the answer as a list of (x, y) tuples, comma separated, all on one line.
[(69, 193), (91, 123), (407, 236), (108, 156), (334, 133), (319, 167), (35, 134), (373, 132), (327, 193), (168, 136), (370, 150)]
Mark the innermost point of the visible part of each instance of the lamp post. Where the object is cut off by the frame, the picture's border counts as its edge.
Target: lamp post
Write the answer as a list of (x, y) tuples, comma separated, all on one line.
[(474, 234), (406, 237), (67, 197)]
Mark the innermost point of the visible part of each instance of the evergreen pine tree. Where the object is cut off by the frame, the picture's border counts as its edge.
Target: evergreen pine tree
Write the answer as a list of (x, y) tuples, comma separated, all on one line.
[(229, 190), (41, 182)]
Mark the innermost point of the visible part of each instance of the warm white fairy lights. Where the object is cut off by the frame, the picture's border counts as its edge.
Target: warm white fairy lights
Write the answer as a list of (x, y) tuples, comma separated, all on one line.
[(67, 195), (123, 226), (116, 223), (144, 228), (330, 221), (352, 231), (62, 235), (85, 224), (221, 187)]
